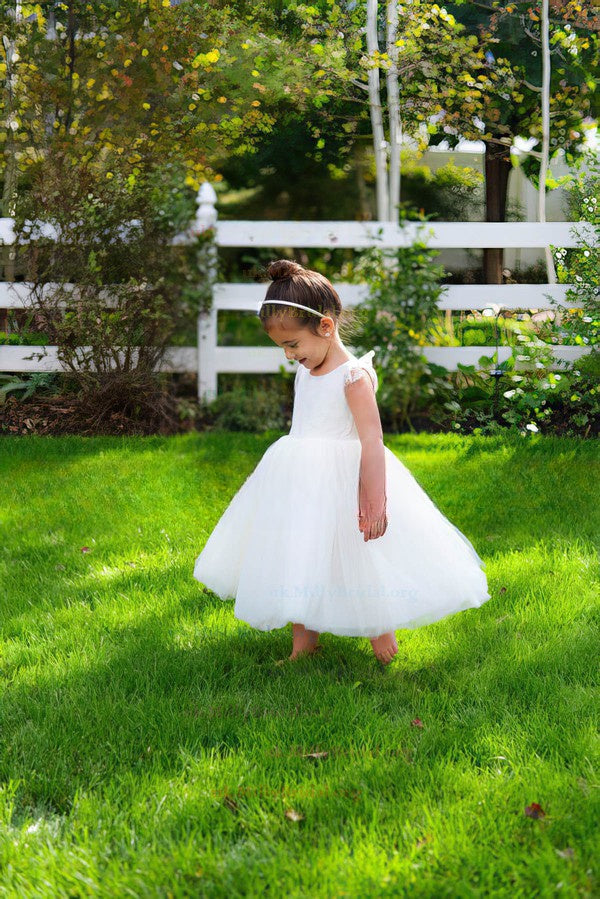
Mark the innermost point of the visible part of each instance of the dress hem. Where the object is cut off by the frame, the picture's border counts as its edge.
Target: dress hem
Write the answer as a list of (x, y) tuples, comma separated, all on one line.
[(413, 624)]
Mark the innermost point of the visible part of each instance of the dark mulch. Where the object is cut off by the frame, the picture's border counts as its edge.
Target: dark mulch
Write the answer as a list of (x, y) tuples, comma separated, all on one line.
[(67, 415)]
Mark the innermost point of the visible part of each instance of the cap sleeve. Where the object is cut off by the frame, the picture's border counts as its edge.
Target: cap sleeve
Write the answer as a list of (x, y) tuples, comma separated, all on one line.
[(362, 368)]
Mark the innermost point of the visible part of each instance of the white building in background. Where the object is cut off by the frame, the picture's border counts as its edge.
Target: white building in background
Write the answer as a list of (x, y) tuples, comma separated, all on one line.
[(522, 195)]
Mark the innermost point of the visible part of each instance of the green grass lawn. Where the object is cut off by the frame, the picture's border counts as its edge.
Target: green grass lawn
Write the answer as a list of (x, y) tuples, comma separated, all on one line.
[(151, 746)]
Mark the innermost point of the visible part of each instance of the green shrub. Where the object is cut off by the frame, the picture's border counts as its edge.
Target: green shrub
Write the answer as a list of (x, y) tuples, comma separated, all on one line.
[(23, 338), (243, 410), (396, 320)]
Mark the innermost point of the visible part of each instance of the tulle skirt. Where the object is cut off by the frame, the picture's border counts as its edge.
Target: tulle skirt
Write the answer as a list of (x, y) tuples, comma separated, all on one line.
[(287, 547)]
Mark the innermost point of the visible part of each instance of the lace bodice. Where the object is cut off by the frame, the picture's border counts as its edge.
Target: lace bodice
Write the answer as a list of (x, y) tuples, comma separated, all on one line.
[(320, 406)]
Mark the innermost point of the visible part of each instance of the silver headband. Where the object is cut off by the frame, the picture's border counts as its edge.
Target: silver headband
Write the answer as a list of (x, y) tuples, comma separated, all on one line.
[(286, 303)]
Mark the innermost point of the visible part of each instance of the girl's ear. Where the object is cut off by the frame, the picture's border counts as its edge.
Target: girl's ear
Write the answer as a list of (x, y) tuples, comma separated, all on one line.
[(327, 326)]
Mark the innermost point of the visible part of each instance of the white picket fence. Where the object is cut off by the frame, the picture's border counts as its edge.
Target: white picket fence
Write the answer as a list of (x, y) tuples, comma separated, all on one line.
[(209, 359)]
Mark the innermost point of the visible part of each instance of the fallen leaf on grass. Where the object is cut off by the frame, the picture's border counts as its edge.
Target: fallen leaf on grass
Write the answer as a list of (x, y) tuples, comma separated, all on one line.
[(534, 810), (315, 755), (293, 815), (565, 853), (230, 803), (85, 549), (416, 722)]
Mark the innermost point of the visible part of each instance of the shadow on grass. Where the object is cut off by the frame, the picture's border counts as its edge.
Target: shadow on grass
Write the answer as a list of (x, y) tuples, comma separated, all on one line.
[(140, 701), (145, 703)]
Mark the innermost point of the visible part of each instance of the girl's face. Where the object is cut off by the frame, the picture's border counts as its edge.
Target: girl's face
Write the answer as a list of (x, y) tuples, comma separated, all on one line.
[(300, 343)]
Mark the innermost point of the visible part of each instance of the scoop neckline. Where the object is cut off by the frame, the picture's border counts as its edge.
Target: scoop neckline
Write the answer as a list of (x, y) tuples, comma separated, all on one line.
[(332, 370)]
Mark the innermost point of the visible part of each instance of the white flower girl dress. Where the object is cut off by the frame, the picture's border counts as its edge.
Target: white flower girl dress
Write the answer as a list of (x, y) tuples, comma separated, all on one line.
[(288, 549)]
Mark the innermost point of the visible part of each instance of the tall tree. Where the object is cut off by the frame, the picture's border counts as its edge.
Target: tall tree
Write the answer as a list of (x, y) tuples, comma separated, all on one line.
[(509, 38), (429, 63), (135, 80)]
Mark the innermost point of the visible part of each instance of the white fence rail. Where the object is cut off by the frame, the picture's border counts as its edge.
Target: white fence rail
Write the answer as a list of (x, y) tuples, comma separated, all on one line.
[(209, 359)]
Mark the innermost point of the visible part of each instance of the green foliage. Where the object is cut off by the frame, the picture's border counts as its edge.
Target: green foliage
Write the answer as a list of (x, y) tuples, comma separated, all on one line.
[(37, 382), (451, 192), (580, 266), (23, 338), (244, 409), (509, 41), (132, 283), (525, 394), (404, 288), (110, 299), (139, 79)]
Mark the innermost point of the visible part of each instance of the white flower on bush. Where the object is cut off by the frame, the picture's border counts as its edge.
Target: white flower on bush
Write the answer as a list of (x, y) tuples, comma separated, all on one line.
[(587, 318), (516, 378), (522, 358), (539, 365), (531, 426), (509, 393)]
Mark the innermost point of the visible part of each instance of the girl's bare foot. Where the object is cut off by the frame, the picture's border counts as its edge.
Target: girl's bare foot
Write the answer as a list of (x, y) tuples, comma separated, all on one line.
[(385, 647), (305, 642)]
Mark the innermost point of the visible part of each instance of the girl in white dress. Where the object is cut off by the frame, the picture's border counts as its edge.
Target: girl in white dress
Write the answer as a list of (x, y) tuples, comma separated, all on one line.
[(331, 532)]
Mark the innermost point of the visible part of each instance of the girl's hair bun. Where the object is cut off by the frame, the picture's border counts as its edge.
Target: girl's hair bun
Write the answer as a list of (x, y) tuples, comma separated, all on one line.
[(283, 268)]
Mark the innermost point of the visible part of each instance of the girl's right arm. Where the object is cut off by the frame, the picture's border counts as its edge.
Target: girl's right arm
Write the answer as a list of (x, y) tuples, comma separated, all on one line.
[(372, 518)]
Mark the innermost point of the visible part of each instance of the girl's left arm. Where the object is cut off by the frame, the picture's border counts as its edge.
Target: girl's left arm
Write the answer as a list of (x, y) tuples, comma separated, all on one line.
[(372, 518)]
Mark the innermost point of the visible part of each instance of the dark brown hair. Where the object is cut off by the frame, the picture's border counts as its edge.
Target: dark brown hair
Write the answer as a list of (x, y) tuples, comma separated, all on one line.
[(296, 284)]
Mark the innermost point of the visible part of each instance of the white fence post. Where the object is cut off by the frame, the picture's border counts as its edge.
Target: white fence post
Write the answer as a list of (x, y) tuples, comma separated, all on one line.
[(206, 217)]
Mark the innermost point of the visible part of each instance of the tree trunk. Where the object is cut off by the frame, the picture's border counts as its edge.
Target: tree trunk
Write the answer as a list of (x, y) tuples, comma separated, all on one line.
[(497, 170), (379, 141), (393, 102), (546, 69)]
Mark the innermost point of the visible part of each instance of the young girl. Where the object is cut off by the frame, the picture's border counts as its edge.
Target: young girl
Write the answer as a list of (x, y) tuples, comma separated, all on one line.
[(331, 532)]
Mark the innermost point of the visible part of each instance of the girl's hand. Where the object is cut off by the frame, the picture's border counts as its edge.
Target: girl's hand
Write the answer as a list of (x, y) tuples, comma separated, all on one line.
[(372, 527)]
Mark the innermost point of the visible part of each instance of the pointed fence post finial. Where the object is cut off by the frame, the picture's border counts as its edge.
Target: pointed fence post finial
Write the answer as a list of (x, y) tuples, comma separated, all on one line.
[(206, 214)]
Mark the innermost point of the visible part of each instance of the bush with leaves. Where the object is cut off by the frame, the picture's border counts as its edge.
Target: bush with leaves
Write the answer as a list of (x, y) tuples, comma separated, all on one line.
[(108, 284), (404, 287), (580, 265), (526, 395), (254, 408)]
